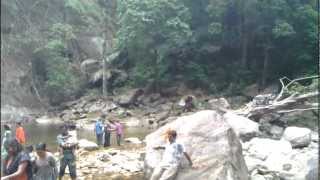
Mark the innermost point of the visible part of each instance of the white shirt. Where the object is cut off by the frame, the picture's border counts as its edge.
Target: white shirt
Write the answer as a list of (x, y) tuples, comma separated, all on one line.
[(173, 154)]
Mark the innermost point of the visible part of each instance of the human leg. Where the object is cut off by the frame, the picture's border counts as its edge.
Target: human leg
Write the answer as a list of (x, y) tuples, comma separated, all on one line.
[(157, 172), (63, 165), (169, 173), (118, 139), (106, 139), (72, 168)]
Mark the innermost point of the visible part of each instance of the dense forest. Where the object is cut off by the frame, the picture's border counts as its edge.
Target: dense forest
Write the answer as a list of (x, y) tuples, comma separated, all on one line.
[(220, 46)]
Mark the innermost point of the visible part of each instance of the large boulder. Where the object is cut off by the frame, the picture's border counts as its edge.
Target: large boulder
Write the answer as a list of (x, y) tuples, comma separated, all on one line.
[(218, 103), (261, 148), (129, 97), (298, 137), (87, 145), (211, 143), (244, 127), (90, 66)]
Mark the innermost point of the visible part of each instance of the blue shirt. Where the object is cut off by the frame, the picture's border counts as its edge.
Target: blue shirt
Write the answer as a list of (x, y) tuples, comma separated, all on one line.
[(98, 127)]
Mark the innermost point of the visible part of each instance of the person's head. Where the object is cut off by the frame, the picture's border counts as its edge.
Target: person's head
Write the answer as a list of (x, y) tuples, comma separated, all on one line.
[(41, 149), (102, 116), (64, 132), (14, 147), (29, 149), (6, 127), (171, 135), (19, 124)]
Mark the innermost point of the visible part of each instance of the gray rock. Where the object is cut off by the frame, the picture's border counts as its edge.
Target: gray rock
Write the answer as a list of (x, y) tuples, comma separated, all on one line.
[(298, 137), (201, 133), (87, 145), (217, 103), (90, 66), (276, 131), (243, 127), (262, 148)]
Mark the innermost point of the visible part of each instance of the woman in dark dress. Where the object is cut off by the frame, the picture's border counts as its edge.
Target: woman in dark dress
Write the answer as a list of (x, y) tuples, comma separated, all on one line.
[(17, 165)]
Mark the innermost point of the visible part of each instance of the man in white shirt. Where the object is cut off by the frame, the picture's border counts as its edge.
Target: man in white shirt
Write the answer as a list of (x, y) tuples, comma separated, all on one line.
[(169, 166)]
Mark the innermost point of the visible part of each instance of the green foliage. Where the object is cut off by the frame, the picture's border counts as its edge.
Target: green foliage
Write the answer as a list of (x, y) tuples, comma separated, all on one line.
[(282, 29)]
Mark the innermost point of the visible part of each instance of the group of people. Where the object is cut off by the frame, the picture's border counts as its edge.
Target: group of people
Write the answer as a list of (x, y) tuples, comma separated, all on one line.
[(103, 130), (18, 162)]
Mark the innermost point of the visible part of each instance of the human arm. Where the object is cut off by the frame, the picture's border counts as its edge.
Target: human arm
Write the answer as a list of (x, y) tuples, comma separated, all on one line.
[(21, 168), (159, 147), (188, 158)]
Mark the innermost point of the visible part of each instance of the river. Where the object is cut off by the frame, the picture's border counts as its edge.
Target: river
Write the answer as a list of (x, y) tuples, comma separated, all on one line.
[(47, 133)]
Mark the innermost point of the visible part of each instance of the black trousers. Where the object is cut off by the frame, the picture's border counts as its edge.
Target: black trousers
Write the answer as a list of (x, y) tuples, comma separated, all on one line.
[(107, 136)]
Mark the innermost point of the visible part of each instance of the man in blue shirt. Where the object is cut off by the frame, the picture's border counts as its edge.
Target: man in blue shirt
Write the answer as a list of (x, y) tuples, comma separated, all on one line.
[(98, 129)]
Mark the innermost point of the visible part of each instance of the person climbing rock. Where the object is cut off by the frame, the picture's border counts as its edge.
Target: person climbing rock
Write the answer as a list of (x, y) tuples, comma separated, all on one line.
[(188, 104), (170, 163)]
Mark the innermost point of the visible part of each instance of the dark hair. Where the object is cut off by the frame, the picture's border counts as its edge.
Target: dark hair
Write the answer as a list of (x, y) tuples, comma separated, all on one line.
[(19, 123), (41, 147), (6, 127), (65, 132), (16, 146), (29, 149)]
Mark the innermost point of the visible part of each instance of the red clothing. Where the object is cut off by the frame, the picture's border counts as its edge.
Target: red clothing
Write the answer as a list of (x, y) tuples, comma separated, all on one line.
[(20, 135)]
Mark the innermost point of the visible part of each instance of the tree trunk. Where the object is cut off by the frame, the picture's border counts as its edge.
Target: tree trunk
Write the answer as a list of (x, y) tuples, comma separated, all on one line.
[(265, 68), (104, 59), (244, 38)]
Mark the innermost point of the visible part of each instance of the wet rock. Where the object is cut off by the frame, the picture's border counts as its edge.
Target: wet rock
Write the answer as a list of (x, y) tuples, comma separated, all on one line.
[(244, 127), (298, 137), (201, 133)]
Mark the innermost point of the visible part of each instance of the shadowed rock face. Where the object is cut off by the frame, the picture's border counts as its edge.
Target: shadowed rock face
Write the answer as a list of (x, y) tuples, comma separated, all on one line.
[(211, 143)]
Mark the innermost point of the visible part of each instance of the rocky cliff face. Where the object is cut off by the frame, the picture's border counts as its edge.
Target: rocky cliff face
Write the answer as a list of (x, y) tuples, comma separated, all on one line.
[(17, 92)]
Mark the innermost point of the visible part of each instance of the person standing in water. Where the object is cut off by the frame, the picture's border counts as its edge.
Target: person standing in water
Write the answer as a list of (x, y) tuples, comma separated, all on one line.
[(119, 132), (67, 152), (98, 129), (169, 166), (20, 134), (45, 164), (108, 128)]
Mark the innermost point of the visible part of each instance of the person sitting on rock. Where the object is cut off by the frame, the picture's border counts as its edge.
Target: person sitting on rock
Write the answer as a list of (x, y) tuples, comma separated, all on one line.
[(169, 166), (188, 104)]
